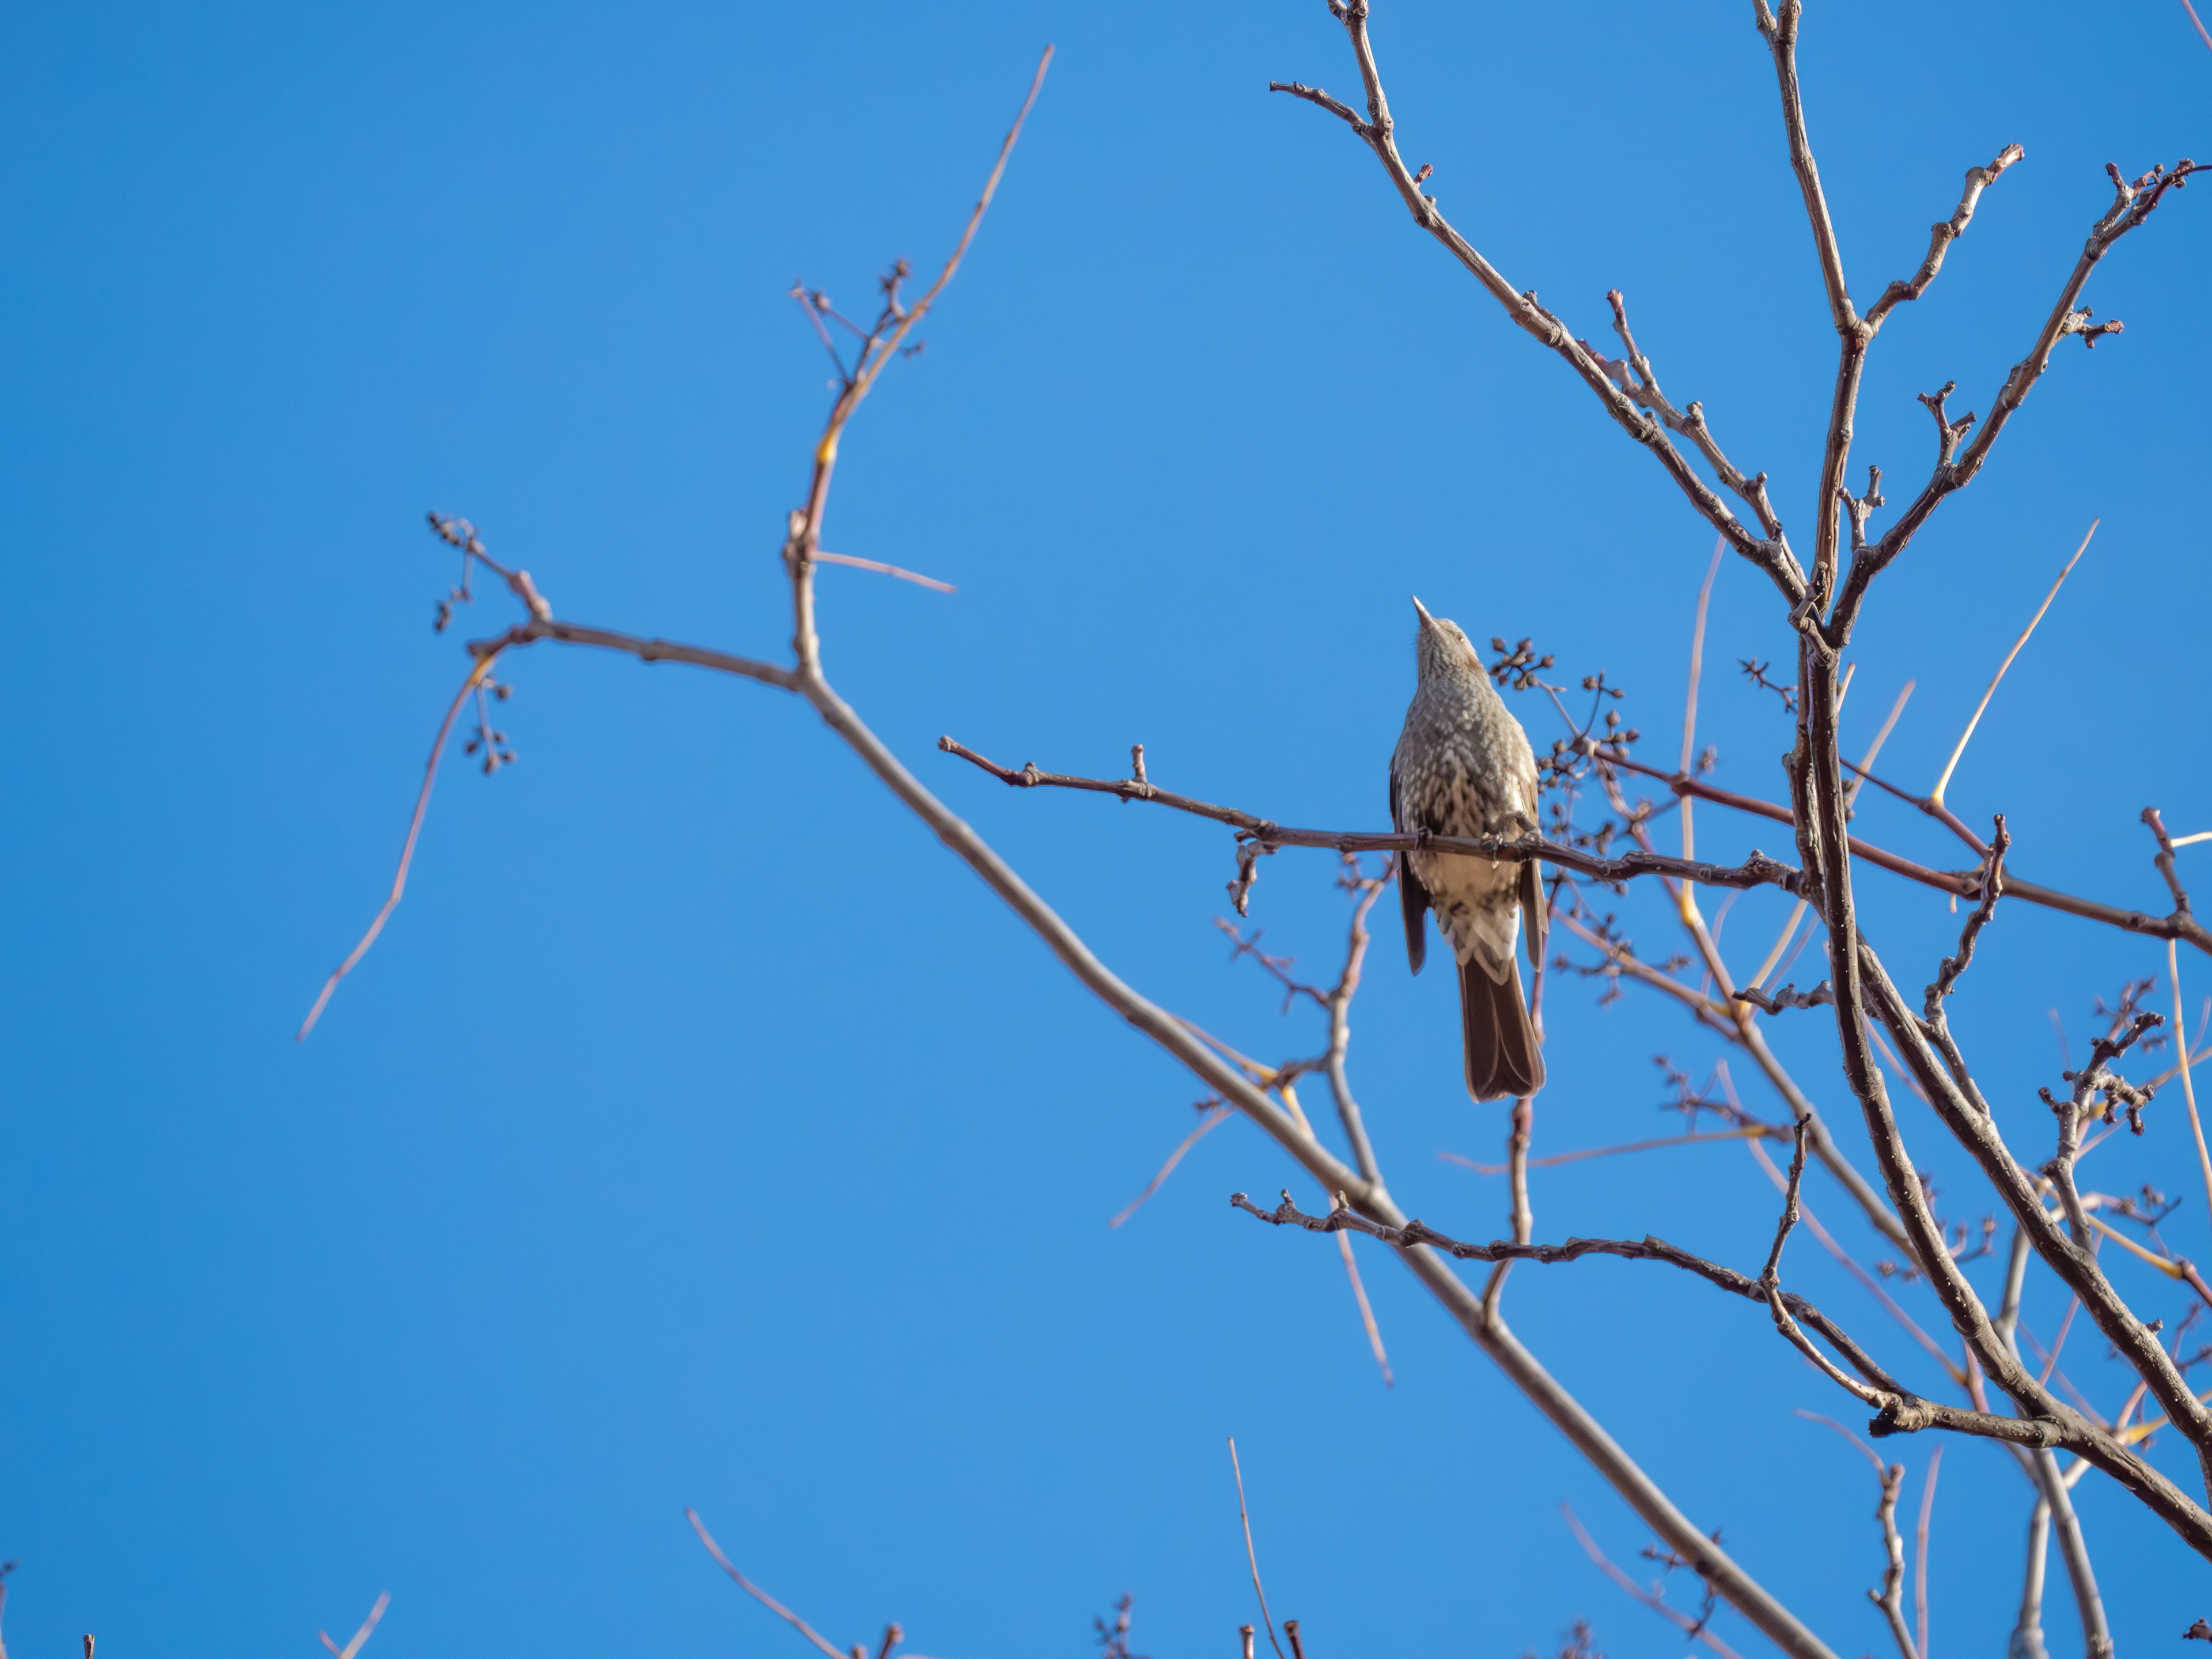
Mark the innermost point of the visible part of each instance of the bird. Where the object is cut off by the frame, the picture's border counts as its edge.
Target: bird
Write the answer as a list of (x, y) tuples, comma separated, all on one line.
[(1463, 767)]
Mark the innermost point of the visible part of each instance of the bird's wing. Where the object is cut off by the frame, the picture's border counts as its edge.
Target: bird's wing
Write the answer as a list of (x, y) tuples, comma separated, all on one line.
[(1412, 898)]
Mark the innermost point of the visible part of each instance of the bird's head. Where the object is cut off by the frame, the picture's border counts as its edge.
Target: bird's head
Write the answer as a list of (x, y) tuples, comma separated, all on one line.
[(1442, 648)]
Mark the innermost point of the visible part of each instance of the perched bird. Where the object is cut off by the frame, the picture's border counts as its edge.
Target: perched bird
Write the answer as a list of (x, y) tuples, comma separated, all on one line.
[(1463, 767)]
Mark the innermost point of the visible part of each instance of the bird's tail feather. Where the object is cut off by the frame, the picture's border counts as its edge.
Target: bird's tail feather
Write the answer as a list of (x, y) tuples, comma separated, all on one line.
[(1503, 1060)]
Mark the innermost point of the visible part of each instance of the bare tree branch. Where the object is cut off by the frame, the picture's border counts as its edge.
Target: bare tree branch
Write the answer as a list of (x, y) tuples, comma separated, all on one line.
[(1771, 553), (2132, 205), (1757, 871), (756, 1591)]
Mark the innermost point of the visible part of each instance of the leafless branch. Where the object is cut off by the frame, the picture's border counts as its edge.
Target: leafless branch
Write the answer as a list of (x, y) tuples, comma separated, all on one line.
[(1213, 1120), (756, 1591), (1962, 883), (1770, 552), (349, 1651), (1263, 834), (1696, 1629), (483, 667), (1250, 1554), (1941, 234), (880, 568)]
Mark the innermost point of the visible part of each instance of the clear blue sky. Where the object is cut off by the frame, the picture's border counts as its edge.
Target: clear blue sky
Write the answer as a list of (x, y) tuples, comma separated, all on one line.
[(701, 1132)]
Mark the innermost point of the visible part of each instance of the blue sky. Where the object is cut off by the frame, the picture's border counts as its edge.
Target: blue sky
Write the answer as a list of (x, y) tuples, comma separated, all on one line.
[(700, 1133)]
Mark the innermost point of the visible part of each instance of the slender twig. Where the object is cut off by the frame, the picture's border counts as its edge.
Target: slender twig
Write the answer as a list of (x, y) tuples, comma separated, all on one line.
[(2203, 34), (1891, 1597), (1757, 871), (1770, 552), (1250, 1554), (351, 1649), (1960, 884), (1935, 810), (1850, 1264), (1709, 1137), (2058, 1342), (2188, 1079), (915, 577), (1920, 1550), (2027, 1629), (756, 1591), (1213, 1120), (1936, 795), (1797, 910), (1690, 696), (1675, 1616), (1940, 236), (1901, 1412), (483, 667), (2133, 203), (1366, 1319), (2073, 1550)]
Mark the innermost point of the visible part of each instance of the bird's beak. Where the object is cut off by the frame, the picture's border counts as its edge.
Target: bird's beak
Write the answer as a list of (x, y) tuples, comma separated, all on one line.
[(1427, 621)]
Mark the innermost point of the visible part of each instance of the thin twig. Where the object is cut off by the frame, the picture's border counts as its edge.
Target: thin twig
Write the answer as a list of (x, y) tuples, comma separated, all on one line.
[(881, 568), (360, 1637), (1866, 1280), (1553, 1160), (1251, 1555), (1681, 1620), (1367, 1318), (1891, 1597), (1757, 871), (756, 1591), (1690, 696), (2188, 1079), (1980, 709), (483, 666), (2203, 34), (1212, 1121), (1920, 1549)]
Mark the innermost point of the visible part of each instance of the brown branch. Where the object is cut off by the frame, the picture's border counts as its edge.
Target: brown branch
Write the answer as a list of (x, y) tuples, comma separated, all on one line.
[(2132, 203), (1817, 786), (2166, 866), (1781, 35), (2077, 1268), (1632, 374), (1288, 1129), (1853, 333), (803, 539), (1681, 1620), (1266, 835), (1962, 883), (1788, 997), (1850, 1264), (1891, 1599), (1935, 809), (1947, 976), (1941, 234), (1771, 553), (1903, 1411)]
